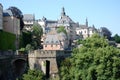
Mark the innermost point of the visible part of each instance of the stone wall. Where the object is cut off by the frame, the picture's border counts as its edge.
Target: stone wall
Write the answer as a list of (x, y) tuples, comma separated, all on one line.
[(7, 53), (37, 60)]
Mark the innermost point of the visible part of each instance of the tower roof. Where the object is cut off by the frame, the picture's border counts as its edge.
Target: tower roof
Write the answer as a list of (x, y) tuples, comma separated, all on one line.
[(63, 12)]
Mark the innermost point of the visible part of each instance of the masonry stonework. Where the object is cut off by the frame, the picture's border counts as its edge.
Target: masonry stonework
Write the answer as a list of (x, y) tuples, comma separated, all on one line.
[(37, 60)]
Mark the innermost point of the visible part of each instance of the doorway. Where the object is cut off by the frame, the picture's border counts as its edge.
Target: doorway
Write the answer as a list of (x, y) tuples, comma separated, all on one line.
[(47, 69)]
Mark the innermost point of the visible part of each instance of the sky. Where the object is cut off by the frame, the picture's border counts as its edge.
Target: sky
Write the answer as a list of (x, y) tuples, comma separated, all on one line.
[(101, 13)]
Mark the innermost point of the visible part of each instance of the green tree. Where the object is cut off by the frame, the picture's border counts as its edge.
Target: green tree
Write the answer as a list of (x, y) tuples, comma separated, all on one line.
[(95, 60), (34, 75), (37, 33), (116, 38), (25, 38), (106, 32), (61, 29)]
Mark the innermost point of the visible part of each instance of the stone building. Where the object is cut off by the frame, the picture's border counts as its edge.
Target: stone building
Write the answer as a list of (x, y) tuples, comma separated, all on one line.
[(55, 41), (10, 22), (65, 21), (85, 31), (29, 20), (1, 16)]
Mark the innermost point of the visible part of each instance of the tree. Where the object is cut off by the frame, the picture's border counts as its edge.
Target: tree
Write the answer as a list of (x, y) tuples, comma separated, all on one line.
[(61, 29), (34, 75), (25, 38), (95, 60), (116, 38), (37, 33), (106, 32)]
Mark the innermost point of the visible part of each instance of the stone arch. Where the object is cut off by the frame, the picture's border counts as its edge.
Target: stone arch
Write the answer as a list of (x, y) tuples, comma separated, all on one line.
[(19, 66)]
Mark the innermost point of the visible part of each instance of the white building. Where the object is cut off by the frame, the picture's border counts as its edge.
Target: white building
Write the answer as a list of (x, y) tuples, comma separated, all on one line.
[(1, 16), (85, 31), (29, 20)]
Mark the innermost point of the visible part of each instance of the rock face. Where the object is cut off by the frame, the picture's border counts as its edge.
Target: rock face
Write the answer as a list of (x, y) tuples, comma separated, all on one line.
[(47, 61)]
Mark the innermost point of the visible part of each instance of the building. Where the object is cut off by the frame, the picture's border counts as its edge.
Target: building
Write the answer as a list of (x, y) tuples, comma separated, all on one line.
[(1, 16), (69, 25), (29, 20), (47, 25), (55, 41), (10, 22), (84, 31), (65, 20)]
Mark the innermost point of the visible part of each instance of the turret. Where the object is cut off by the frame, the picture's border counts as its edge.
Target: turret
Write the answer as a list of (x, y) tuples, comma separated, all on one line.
[(86, 22), (63, 12)]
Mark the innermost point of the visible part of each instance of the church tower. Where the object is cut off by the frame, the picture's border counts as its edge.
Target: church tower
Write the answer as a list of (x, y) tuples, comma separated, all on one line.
[(63, 12), (86, 22)]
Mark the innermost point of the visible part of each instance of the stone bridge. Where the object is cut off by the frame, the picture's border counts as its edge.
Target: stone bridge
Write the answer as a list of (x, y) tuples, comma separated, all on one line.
[(12, 66)]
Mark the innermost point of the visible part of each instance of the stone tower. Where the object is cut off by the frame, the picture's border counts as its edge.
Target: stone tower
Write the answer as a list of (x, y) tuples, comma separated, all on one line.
[(86, 22), (63, 12)]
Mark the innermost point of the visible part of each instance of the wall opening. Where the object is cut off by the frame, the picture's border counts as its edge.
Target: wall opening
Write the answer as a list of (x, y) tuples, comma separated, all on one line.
[(19, 66), (47, 69)]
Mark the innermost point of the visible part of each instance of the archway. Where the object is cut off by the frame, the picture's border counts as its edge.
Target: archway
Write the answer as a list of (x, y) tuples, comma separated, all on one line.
[(19, 67)]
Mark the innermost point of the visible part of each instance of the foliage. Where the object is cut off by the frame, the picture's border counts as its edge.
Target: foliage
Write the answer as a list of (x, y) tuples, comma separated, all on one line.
[(34, 75), (116, 38), (25, 38), (106, 32), (61, 29), (37, 30), (7, 41), (95, 60), (79, 41), (28, 47), (37, 33)]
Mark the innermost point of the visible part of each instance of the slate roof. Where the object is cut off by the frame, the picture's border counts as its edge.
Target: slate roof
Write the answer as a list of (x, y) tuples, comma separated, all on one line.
[(55, 38), (51, 39), (7, 13), (28, 17), (83, 27), (65, 19), (1, 5)]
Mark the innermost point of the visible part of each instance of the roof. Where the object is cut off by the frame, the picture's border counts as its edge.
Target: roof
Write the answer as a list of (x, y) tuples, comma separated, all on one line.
[(28, 17), (1, 5), (7, 13), (65, 19), (54, 38), (51, 39), (83, 26)]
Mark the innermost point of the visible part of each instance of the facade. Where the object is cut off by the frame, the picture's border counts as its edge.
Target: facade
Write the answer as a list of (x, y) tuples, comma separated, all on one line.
[(65, 21), (85, 31), (29, 20), (55, 41), (10, 22), (1, 16)]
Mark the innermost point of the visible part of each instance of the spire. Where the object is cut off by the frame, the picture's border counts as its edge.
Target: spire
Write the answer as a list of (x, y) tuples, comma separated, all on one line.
[(86, 22), (63, 12)]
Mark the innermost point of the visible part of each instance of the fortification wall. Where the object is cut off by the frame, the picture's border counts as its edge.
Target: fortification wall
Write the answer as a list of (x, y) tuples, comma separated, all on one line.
[(37, 59)]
